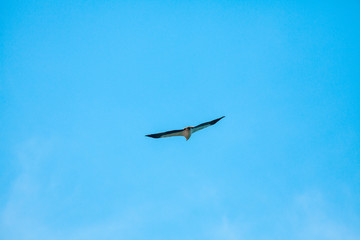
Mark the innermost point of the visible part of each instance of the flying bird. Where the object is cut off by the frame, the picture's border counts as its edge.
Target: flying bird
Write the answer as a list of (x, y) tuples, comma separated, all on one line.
[(186, 132)]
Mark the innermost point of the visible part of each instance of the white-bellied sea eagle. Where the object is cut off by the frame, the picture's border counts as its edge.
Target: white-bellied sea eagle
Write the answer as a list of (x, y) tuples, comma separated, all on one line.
[(186, 132)]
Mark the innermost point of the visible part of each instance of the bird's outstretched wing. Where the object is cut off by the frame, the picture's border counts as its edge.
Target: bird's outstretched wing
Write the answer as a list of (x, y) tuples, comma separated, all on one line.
[(206, 124), (166, 134)]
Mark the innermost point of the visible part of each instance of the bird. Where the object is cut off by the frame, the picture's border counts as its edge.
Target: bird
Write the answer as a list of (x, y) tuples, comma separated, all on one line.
[(186, 132)]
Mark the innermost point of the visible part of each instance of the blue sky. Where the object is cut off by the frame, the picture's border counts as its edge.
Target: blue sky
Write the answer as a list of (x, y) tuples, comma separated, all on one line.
[(82, 82)]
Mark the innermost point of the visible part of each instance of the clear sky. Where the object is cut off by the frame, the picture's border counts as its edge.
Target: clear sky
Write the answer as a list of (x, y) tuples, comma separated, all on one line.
[(82, 82)]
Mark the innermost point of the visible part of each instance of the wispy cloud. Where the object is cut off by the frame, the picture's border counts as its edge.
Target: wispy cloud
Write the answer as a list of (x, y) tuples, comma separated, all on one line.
[(19, 218), (23, 215), (311, 218), (228, 230), (306, 217)]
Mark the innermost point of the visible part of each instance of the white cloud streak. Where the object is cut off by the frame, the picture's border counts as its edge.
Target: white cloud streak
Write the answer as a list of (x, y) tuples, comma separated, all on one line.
[(306, 217), (23, 215)]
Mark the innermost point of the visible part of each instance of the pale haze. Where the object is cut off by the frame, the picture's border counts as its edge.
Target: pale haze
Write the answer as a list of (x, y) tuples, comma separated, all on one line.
[(83, 82)]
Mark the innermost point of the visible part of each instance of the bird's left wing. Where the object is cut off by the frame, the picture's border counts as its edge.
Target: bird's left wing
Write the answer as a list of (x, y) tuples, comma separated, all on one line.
[(172, 133), (206, 124)]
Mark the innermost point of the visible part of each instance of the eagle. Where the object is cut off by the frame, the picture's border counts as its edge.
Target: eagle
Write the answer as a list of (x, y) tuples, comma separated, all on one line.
[(186, 132)]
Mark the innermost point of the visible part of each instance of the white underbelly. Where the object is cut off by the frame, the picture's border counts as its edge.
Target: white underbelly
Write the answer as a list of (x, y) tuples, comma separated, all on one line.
[(187, 133)]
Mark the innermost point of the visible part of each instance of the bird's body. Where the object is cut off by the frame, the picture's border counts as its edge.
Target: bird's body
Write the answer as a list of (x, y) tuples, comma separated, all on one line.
[(186, 132)]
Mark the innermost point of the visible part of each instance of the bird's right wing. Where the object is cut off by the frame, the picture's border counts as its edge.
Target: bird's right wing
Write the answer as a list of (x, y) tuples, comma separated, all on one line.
[(206, 124), (167, 134)]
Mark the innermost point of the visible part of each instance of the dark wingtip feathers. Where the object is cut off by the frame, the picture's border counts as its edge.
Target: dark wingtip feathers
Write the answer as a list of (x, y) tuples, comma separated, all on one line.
[(152, 136), (216, 120)]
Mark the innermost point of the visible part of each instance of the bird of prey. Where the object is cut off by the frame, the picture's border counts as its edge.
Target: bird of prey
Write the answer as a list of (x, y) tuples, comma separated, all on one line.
[(186, 132)]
